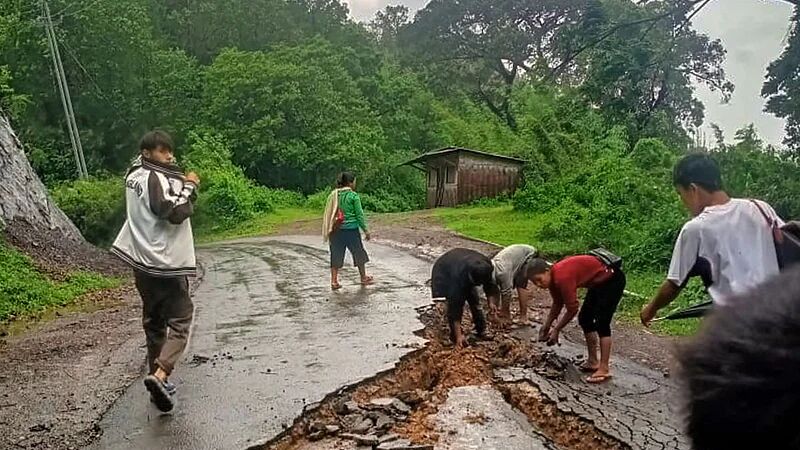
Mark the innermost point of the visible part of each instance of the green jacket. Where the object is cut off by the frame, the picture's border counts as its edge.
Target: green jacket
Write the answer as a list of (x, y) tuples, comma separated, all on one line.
[(350, 204)]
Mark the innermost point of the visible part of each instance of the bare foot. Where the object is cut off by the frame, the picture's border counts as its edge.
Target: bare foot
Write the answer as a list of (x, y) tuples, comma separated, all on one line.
[(336, 286), (367, 280)]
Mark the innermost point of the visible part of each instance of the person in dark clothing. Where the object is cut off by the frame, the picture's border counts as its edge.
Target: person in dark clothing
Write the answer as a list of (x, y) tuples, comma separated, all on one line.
[(456, 276), (605, 286), (739, 374)]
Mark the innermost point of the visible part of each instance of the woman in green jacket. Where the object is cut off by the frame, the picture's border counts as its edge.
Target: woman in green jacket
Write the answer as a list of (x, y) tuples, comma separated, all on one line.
[(348, 234)]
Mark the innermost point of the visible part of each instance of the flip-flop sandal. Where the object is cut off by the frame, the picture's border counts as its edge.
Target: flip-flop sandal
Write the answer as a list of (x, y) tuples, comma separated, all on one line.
[(159, 394), (336, 287), (587, 369), (598, 379), (367, 281)]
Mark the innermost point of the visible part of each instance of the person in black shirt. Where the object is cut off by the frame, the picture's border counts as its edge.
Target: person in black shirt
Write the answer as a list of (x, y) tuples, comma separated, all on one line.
[(456, 276)]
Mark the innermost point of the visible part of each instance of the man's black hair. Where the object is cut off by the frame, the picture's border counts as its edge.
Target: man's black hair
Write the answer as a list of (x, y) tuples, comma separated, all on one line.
[(156, 138), (741, 374), (535, 266), (699, 169)]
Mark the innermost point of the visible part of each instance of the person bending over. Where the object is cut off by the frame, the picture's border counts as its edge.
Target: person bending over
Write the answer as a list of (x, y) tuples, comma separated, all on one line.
[(605, 285), (510, 274), (456, 276)]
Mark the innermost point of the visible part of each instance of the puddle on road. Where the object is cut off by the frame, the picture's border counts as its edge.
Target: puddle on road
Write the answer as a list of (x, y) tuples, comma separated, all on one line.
[(427, 380)]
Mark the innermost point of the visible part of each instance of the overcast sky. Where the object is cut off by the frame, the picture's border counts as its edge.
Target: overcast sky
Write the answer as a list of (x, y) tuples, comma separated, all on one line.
[(753, 32)]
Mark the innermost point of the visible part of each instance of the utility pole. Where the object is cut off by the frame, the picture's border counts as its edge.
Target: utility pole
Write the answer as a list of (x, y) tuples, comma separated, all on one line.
[(63, 89)]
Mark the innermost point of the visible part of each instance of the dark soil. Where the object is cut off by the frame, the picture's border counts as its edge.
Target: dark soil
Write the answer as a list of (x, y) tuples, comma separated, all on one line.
[(56, 255), (58, 379), (431, 373)]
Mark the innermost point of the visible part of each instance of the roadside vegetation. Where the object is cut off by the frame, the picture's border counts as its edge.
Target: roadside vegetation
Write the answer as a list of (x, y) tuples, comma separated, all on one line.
[(25, 291)]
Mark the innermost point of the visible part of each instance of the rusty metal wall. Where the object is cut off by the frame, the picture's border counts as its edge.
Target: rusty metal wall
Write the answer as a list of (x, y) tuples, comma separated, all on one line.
[(483, 177)]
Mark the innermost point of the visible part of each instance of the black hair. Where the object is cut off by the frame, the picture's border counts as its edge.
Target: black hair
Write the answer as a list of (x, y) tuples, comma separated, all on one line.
[(741, 374), (535, 266), (699, 169), (156, 138), (344, 179)]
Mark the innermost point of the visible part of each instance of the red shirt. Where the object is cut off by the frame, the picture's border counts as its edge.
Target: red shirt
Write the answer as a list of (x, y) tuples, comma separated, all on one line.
[(571, 273)]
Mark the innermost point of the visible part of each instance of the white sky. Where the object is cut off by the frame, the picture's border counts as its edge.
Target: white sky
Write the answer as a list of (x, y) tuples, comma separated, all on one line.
[(753, 32)]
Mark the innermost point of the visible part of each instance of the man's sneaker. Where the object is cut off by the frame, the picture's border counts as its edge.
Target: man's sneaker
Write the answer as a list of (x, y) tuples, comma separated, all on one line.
[(158, 393), (170, 387)]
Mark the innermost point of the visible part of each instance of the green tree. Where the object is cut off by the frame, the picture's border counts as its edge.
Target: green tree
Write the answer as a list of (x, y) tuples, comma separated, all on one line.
[(782, 86), (293, 116), (643, 73)]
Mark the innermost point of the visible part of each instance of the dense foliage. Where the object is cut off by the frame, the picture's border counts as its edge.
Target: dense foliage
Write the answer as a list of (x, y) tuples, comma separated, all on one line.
[(269, 99)]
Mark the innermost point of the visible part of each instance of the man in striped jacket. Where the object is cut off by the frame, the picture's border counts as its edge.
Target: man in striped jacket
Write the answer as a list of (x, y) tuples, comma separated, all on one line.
[(156, 241)]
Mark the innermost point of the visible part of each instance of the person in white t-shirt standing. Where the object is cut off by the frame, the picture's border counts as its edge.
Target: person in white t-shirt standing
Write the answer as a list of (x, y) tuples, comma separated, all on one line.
[(728, 243)]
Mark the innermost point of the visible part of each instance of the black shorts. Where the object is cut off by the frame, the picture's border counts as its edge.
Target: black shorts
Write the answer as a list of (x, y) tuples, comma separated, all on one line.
[(600, 305), (347, 240)]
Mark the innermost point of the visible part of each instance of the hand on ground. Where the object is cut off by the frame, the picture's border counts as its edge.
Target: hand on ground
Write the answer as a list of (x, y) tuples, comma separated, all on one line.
[(544, 333), (552, 338)]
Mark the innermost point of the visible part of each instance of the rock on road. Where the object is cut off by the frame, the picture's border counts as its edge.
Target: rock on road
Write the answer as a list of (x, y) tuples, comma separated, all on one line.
[(269, 338)]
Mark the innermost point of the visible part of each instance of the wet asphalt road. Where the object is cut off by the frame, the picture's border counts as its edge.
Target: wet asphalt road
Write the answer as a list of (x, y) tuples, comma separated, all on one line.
[(277, 339)]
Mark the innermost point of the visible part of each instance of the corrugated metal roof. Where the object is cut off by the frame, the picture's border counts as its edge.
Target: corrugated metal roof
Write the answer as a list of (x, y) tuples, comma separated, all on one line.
[(447, 150)]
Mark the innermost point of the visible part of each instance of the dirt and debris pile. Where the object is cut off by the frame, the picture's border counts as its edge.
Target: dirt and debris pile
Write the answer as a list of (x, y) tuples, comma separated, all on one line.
[(367, 424), (398, 409)]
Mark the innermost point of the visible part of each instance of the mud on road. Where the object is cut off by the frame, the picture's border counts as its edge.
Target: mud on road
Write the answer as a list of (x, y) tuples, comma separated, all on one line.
[(561, 411), (426, 380)]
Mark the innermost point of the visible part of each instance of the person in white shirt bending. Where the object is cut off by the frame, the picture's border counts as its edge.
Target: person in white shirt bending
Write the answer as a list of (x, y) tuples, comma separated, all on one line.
[(729, 243)]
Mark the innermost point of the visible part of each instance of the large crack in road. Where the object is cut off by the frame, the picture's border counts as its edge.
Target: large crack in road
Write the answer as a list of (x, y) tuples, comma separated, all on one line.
[(274, 352)]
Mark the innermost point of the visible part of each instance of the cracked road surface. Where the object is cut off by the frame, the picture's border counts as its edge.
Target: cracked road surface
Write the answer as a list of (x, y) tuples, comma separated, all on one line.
[(269, 338), (638, 406)]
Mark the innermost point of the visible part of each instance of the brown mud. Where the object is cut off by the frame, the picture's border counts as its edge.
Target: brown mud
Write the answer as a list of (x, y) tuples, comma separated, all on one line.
[(424, 378)]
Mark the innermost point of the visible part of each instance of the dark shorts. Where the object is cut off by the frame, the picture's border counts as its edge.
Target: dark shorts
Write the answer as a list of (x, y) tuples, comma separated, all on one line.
[(347, 240), (600, 305)]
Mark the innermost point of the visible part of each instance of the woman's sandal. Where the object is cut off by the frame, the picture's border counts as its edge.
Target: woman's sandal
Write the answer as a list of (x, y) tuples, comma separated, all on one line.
[(367, 281), (597, 379)]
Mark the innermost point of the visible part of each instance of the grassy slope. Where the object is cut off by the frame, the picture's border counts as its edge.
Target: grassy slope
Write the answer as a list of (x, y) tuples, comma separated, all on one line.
[(25, 292), (262, 225), (503, 225)]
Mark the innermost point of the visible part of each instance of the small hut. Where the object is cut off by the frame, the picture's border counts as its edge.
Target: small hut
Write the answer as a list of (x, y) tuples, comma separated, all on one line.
[(460, 175)]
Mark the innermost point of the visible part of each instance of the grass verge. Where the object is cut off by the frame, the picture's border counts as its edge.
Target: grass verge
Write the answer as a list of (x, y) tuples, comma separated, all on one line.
[(503, 225), (261, 225), (26, 292)]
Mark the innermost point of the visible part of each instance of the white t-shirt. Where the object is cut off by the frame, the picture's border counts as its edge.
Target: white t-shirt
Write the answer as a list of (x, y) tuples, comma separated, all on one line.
[(733, 242)]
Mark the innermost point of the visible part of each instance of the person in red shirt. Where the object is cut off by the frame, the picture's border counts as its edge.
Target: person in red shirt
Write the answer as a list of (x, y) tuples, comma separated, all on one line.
[(605, 286)]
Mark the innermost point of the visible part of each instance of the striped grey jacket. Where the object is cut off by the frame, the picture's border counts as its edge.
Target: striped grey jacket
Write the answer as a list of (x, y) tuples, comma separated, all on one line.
[(157, 236)]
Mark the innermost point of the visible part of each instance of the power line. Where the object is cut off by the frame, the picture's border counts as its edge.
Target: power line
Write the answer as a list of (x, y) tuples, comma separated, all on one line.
[(66, 100)]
